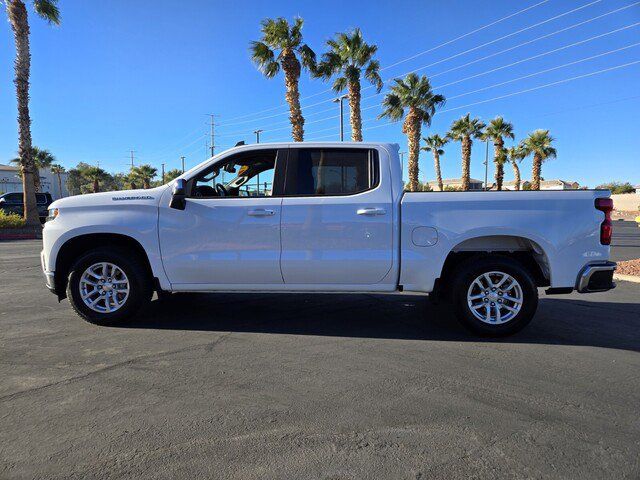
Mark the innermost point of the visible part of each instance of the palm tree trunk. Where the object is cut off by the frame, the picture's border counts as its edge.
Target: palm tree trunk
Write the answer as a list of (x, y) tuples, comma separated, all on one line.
[(96, 185), (146, 185), (355, 117), (412, 129), (60, 184), (20, 26), (436, 163), (497, 160), (516, 174), (291, 67), (535, 172), (466, 162)]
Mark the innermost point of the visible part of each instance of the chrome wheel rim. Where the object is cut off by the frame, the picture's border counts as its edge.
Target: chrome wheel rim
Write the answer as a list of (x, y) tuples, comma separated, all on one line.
[(495, 298), (104, 287)]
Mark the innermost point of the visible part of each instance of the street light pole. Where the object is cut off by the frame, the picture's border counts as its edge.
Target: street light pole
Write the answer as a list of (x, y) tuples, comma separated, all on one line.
[(257, 132), (486, 165), (182, 158), (339, 100)]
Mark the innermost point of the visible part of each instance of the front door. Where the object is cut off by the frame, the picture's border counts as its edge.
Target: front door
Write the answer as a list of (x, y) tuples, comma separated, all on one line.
[(337, 218), (228, 235)]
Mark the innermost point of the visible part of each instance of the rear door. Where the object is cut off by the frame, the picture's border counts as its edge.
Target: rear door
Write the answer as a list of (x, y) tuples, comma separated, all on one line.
[(337, 218)]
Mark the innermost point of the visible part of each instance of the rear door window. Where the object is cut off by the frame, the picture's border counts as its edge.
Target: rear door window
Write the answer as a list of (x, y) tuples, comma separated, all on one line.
[(328, 171)]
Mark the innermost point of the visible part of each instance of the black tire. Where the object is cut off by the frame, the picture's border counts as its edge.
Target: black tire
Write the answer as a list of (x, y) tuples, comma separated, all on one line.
[(474, 268), (140, 290)]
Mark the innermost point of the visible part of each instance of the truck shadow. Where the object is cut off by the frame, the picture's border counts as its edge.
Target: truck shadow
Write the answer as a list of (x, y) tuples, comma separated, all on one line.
[(562, 321)]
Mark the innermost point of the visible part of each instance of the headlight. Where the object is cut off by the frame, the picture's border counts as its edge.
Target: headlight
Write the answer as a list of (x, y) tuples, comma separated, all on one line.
[(53, 213)]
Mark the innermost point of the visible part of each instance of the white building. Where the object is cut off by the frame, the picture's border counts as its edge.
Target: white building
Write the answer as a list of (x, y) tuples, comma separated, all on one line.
[(456, 183), (10, 181), (544, 185)]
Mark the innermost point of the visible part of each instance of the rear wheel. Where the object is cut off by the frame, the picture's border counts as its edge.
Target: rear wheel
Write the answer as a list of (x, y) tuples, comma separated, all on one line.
[(107, 286), (494, 296)]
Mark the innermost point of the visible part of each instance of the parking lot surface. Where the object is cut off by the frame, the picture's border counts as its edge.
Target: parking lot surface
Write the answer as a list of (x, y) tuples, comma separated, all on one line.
[(312, 386)]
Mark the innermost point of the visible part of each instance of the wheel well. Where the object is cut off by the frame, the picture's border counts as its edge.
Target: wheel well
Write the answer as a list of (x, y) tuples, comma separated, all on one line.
[(524, 251), (73, 248)]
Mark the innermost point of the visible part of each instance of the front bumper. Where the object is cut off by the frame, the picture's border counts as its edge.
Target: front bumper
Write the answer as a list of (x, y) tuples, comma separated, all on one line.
[(597, 277), (49, 277)]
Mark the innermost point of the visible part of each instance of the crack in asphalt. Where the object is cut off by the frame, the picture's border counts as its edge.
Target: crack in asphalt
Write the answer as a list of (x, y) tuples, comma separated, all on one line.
[(208, 345)]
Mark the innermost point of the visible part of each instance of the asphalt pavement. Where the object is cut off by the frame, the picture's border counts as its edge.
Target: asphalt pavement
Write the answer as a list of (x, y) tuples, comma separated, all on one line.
[(315, 386)]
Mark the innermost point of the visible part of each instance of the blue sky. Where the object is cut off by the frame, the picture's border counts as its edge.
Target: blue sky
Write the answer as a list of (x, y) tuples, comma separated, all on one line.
[(142, 75)]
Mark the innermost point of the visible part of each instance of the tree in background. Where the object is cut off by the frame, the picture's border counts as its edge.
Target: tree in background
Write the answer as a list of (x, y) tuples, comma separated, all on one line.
[(617, 187), (348, 54), (540, 144), (19, 20), (497, 131), (515, 156), (144, 174), (58, 170), (278, 37), (42, 159), (172, 175), (434, 144), (95, 175), (464, 130), (414, 94)]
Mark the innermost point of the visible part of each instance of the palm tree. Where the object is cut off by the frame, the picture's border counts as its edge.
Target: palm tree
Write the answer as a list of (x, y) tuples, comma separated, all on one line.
[(144, 174), (172, 174), (538, 143), (42, 159), (18, 17), (498, 130), (95, 175), (58, 170), (516, 155), (415, 94), (278, 37), (434, 144), (464, 130), (347, 56)]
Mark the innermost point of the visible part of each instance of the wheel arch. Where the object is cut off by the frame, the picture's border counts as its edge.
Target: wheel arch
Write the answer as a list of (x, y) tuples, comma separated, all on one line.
[(528, 252), (76, 246)]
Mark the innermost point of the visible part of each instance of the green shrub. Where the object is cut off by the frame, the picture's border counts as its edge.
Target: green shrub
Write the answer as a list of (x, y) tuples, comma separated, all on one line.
[(617, 187), (10, 220)]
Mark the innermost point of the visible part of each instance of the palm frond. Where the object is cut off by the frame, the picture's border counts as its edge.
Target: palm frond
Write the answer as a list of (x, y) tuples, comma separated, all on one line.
[(48, 10), (392, 107), (372, 73), (308, 57)]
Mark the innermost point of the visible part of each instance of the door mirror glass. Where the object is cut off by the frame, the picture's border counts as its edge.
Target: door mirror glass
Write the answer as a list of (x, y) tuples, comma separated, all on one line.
[(178, 196)]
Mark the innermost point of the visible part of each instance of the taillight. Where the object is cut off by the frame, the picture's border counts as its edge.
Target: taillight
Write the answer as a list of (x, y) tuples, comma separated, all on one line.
[(606, 227)]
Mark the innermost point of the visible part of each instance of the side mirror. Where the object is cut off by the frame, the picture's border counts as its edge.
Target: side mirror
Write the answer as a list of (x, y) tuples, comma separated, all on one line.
[(178, 196)]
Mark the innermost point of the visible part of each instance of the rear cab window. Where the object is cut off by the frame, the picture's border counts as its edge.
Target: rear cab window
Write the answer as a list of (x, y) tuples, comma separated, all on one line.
[(331, 171)]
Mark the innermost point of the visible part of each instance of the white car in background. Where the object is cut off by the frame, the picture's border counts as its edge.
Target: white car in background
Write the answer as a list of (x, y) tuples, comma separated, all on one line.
[(326, 217)]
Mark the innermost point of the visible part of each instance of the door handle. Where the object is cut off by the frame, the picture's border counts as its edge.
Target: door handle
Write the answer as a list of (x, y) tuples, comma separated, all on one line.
[(261, 212), (371, 211)]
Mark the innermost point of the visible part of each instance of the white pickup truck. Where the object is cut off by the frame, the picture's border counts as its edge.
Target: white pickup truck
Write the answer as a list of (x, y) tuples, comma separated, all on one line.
[(325, 217)]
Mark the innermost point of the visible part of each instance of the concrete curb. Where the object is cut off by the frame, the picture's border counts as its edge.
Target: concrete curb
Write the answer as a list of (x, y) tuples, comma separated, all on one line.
[(20, 233), (626, 278)]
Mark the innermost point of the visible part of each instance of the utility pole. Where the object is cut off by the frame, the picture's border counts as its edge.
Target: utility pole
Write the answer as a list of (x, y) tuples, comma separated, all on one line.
[(212, 145), (339, 100), (163, 174), (486, 165), (132, 157), (182, 158), (401, 160), (257, 132)]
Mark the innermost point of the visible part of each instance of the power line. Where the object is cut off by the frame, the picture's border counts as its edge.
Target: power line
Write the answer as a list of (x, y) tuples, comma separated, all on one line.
[(527, 90), (593, 2), (564, 47), (409, 58)]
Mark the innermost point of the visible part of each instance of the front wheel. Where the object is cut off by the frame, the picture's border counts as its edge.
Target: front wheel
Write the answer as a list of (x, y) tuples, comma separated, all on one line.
[(107, 286), (494, 296)]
